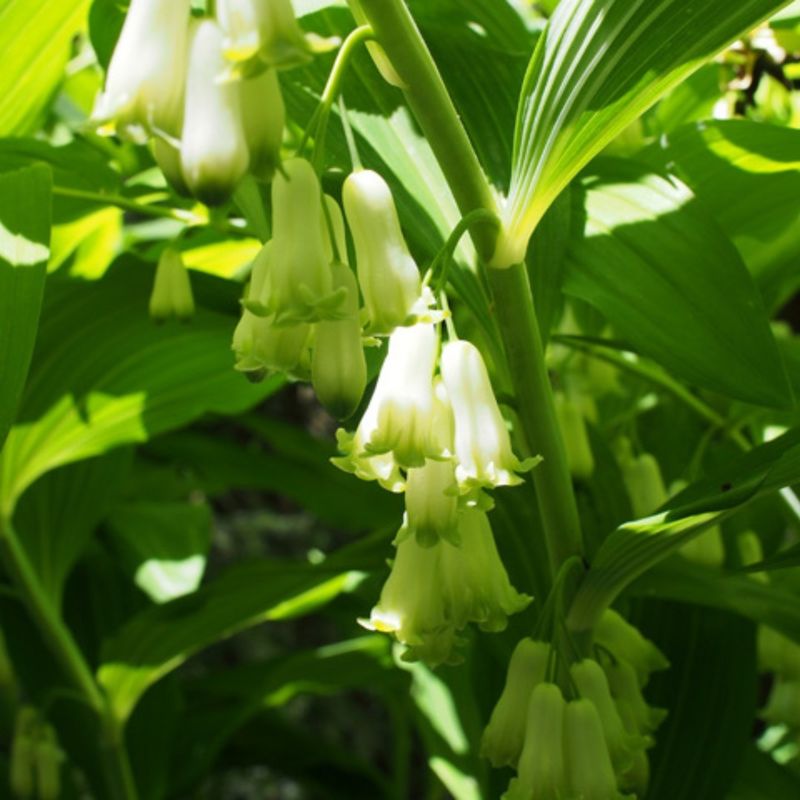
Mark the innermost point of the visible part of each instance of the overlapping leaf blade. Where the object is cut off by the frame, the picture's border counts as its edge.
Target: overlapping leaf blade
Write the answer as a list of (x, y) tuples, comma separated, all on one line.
[(597, 67)]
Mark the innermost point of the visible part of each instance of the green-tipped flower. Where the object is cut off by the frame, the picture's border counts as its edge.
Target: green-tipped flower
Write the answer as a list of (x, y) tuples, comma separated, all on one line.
[(783, 707), (625, 642), (637, 777), (48, 764), (627, 693), (482, 443), (542, 771), (387, 273), (214, 154), (505, 734), (576, 437), (590, 774), (399, 417), (642, 478), (412, 607), (172, 290), (263, 119), (338, 366), (473, 578), (261, 33), (23, 754), (299, 287), (592, 684), (145, 83)]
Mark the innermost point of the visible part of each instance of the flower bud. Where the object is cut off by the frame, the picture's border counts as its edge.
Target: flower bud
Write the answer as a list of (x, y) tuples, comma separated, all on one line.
[(172, 290), (399, 417), (300, 283), (474, 580), (338, 366), (48, 764), (624, 642), (214, 155), (482, 442), (592, 685), (145, 83), (263, 118), (624, 684), (261, 31), (505, 734), (590, 774), (23, 754), (542, 773), (387, 274), (642, 478), (411, 605), (575, 435)]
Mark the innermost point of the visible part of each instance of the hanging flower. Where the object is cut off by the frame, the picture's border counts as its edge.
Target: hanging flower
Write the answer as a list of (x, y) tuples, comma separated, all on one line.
[(145, 82), (214, 154), (387, 273), (263, 118), (338, 366), (474, 580), (542, 771), (411, 605), (300, 283), (261, 33), (642, 477), (627, 693), (504, 736), (399, 417), (624, 641), (575, 435), (482, 442), (172, 289)]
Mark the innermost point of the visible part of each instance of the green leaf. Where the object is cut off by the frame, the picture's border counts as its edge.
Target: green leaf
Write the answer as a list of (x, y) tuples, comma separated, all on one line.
[(36, 39), (759, 166), (105, 375), (57, 517), (759, 777), (24, 250), (710, 695), (163, 545), (161, 638), (598, 66), (635, 547), (656, 264)]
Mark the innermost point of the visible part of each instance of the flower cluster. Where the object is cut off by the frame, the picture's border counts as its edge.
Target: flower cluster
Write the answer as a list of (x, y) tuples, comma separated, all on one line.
[(35, 763), (592, 743), (203, 91)]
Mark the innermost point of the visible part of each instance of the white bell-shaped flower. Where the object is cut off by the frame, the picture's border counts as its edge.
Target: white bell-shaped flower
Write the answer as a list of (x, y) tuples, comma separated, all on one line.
[(338, 366), (504, 736), (263, 118), (261, 33), (474, 579), (214, 153), (482, 442), (387, 273), (145, 83), (399, 418)]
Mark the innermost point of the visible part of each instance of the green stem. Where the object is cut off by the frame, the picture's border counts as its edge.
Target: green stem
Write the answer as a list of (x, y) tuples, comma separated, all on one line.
[(523, 343), (428, 98), (445, 256), (69, 656)]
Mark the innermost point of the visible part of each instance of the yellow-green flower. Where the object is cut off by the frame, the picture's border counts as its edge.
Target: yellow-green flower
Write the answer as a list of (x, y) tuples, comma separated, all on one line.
[(263, 118), (172, 290), (624, 641)]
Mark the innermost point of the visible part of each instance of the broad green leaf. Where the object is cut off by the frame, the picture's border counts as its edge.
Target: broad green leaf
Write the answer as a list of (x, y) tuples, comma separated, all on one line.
[(634, 547), (105, 375), (163, 545), (55, 520), (36, 39), (659, 268), (759, 777), (710, 697), (161, 638), (692, 99), (759, 166), (24, 250), (597, 67)]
